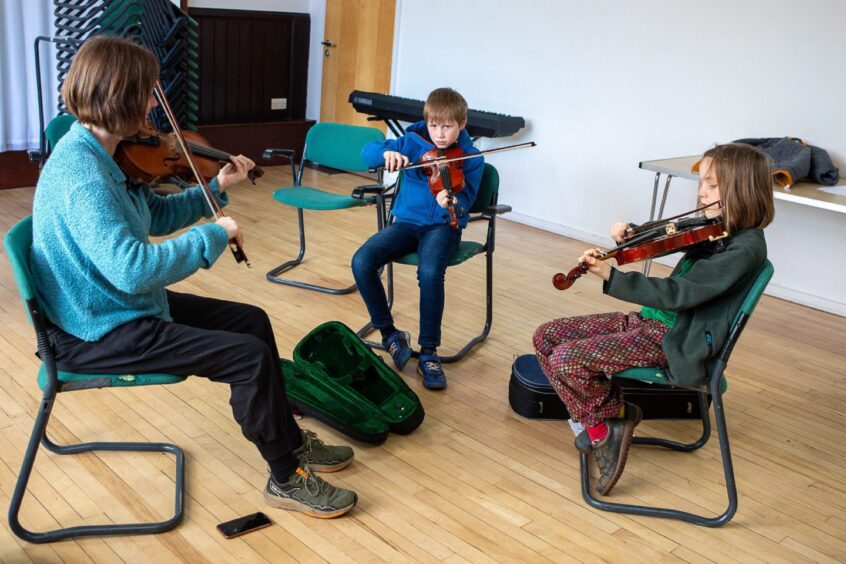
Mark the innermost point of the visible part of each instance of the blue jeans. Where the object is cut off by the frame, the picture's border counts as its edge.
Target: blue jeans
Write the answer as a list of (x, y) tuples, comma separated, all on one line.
[(435, 245)]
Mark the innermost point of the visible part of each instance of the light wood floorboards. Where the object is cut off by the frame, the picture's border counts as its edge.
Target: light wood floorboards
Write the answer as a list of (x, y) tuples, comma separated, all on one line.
[(475, 483)]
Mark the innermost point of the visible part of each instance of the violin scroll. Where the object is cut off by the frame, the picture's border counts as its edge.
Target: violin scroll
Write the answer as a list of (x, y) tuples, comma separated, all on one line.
[(562, 281)]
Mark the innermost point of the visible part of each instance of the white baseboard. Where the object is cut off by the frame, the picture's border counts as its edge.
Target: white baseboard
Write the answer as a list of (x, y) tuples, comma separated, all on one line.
[(782, 292), (810, 300)]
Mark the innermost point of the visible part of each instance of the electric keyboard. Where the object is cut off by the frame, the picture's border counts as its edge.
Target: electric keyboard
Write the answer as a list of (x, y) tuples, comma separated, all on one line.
[(394, 109)]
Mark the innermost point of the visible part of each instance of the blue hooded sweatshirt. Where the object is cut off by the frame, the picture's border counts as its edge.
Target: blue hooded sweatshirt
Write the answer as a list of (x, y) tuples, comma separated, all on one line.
[(415, 202)]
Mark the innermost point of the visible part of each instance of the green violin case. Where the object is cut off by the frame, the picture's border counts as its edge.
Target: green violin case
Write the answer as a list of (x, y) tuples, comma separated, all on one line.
[(337, 379)]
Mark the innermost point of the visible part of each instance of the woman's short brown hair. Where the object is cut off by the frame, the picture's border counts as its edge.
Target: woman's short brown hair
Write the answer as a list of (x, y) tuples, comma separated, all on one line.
[(109, 84), (744, 175), (445, 104)]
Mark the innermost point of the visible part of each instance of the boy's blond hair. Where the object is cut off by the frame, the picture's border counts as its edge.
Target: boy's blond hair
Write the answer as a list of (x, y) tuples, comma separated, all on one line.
[(109, 84), (744, 175), (445, 104)]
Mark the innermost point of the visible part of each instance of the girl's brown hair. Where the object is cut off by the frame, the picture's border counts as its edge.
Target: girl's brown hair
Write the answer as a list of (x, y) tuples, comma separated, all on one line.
[(445, 104), (744, 175), (109, 84)]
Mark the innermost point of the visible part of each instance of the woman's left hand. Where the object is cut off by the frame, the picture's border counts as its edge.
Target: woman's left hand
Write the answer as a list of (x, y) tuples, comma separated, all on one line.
[(443, 199), (234, 172)]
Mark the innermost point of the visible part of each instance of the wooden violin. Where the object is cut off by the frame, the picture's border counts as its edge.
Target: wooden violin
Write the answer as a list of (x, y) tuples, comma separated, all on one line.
[(445, 176), (185, 148), (659, 240), (443, 167), (152, 155)]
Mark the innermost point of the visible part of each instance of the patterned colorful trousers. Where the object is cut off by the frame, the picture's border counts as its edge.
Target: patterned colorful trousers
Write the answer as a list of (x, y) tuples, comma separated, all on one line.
[(580, 354)]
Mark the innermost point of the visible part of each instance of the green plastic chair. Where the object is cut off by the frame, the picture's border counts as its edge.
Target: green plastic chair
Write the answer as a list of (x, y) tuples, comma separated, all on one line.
[(715, 387), (485, 207), (18, 242), (55, 130), (336, 146)]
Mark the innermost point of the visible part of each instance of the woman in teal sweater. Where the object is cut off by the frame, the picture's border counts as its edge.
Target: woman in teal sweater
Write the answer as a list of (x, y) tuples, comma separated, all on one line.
[(102, 281), (685, 319)]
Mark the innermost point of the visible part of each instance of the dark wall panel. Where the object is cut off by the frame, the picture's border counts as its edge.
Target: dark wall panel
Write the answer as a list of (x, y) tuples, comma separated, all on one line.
[(246, 59)]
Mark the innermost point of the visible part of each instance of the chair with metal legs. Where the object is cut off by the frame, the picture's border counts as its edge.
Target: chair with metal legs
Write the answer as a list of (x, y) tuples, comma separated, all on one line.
[(52, 381), (715, 387), (335, 146)]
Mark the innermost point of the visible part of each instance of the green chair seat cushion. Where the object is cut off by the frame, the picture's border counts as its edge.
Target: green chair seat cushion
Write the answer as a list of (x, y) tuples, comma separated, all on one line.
[(657, 376), (71, 380), (466, 250), (309, 198)]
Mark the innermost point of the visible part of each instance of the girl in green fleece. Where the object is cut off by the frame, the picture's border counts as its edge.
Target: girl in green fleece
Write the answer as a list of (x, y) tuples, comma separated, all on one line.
[(684, 320)]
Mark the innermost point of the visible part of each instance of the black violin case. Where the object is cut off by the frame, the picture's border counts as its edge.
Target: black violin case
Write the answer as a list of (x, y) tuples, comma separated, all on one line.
[(337, 379), (532, 396)]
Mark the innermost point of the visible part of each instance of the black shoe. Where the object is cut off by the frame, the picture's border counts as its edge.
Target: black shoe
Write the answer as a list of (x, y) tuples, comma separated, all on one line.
[(612, 451), (633, 413)]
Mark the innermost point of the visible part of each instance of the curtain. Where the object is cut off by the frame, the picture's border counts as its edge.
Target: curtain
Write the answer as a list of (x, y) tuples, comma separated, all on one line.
[(21, 21)]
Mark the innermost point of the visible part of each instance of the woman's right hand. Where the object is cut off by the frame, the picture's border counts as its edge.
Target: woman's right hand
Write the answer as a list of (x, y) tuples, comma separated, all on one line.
[(394, 160), (231, 229), (619, 231)]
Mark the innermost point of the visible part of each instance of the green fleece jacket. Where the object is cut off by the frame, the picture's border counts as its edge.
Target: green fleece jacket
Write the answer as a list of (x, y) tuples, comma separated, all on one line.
[(707, 298)]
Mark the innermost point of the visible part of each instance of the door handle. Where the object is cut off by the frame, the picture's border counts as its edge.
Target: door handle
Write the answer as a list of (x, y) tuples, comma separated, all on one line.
[(327, 43)]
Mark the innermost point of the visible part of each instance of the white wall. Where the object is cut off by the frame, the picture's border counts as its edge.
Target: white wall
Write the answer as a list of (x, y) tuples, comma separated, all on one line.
[(608, 83)]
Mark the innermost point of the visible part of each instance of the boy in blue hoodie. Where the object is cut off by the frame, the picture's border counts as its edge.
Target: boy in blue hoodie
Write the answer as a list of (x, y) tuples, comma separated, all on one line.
[(422, 225)]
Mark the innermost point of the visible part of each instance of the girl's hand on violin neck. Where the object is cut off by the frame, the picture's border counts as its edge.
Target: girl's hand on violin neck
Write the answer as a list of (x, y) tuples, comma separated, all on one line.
[(234, 172), (596, 266), (443, 199), (619, 231), (231, 229), (394, 160)]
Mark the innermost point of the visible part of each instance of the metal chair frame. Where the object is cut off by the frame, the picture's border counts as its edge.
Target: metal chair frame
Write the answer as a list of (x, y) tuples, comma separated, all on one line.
[(714, 389), (39, 436), (376, 198)]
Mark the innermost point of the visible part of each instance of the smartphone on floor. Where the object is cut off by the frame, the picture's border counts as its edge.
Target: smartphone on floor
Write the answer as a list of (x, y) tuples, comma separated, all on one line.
[(243, 525)]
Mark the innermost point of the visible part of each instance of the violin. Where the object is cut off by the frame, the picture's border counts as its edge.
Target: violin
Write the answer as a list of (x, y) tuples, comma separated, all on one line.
[(185, 149), (445, 176), (661, 238), (443, 167), (151, 155)]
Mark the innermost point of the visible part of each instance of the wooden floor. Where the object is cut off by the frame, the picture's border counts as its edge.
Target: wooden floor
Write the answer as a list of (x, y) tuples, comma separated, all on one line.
[(475, 482)]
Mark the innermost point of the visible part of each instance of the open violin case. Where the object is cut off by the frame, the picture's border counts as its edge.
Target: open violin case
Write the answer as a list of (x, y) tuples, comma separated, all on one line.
[(337, 379)]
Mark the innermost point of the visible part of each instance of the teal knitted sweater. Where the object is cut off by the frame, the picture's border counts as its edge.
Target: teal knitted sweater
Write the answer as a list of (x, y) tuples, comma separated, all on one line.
[(94, 265)]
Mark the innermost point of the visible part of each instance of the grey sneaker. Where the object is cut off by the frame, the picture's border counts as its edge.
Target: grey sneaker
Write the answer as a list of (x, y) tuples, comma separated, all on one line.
[(310, 494), (321, 457)]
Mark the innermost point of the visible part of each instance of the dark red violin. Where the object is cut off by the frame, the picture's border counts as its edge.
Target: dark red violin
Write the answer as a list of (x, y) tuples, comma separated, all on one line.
[(656, 242), (443, 167), (445, 176)]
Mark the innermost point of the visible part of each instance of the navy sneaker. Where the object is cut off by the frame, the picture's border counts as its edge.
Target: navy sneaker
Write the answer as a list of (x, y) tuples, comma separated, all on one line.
[(397, 346), (429, 366)]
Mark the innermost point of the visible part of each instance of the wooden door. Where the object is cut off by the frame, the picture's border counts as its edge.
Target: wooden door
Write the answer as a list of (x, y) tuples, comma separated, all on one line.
[(357, 53)]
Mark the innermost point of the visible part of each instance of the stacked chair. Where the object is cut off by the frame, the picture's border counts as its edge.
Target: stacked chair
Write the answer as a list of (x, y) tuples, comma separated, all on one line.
[(156, 24)]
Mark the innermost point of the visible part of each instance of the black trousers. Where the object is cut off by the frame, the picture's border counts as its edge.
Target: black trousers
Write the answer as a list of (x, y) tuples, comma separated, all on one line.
[(223, 341)]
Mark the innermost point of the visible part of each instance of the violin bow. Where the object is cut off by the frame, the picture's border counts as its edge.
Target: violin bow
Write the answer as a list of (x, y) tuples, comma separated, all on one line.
[(445, 160), (217, 212)]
